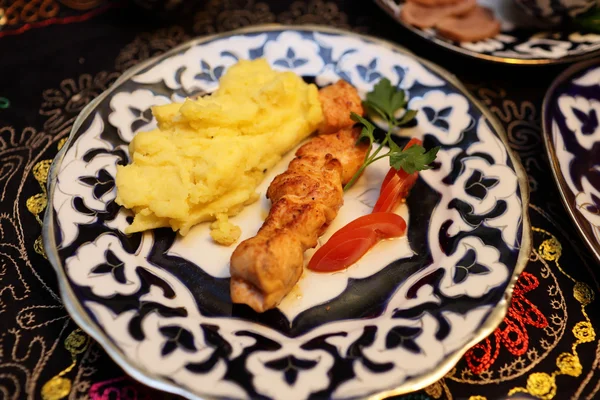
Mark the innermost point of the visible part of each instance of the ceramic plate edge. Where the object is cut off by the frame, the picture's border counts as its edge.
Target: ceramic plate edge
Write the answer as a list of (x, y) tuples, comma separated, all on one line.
[(486, 57), (567, 199), (85, 322)]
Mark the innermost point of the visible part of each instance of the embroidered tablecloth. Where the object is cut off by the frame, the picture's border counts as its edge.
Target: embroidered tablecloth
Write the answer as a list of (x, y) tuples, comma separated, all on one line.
[(59, 55)]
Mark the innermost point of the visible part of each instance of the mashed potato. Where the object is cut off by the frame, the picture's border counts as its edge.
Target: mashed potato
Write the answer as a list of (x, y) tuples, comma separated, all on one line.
[(207, 156)]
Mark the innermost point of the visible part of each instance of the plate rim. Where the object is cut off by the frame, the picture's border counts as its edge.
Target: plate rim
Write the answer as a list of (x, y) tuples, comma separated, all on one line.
[(567, 198), (139, 373), (486, 57)]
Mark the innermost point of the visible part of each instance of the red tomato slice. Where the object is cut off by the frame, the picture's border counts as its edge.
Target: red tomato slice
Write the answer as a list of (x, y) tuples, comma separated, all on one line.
[(412, 142), (392, 171), (387, 190), (353, 241), (396, 190), (388, 224), (388, 177), (339, 254)]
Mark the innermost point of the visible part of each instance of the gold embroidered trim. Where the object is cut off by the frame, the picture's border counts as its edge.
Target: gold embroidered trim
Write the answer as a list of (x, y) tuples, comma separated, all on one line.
[(543, 385), (59, 387)]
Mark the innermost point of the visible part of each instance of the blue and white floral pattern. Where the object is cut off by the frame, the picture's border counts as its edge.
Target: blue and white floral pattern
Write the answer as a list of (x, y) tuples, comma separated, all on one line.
[(523, 39), (293, 52), (572, 127), (446, 116), (169, 321), (132, 112)]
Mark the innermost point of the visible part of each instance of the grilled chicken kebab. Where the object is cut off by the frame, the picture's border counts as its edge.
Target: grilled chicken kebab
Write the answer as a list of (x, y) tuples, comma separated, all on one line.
[(305, 199)]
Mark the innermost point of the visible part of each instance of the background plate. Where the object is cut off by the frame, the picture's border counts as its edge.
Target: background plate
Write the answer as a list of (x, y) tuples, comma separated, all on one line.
[(521, 41)]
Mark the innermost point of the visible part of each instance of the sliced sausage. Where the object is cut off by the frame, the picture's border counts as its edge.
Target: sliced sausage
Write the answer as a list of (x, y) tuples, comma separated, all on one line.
[(478, 24), (427, 17)]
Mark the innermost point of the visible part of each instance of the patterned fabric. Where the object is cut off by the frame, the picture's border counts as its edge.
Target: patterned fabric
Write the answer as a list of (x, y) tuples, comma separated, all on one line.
[(546, 347), (18, 16)]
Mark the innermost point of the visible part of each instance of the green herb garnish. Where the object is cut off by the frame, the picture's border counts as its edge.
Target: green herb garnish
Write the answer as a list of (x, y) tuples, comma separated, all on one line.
[(386, 101), (413, 159), (589, 21)]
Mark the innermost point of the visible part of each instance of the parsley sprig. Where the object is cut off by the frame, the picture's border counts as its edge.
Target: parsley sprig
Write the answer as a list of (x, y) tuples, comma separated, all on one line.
[(386, 102)]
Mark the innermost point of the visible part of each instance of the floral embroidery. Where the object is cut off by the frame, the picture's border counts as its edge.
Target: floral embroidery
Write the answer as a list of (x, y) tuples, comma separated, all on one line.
[(121, 388), (148, 45), (541, 384), (512, 333), (62, 106), (219, 15)]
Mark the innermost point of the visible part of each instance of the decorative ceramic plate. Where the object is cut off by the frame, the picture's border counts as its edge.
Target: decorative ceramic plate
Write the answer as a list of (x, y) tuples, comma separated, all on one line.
[(519, 42), (571, 118), (394, 322)]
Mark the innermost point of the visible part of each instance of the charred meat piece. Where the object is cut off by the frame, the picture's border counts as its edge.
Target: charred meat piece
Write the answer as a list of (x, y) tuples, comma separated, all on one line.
[(338, 101), (305, 198)]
